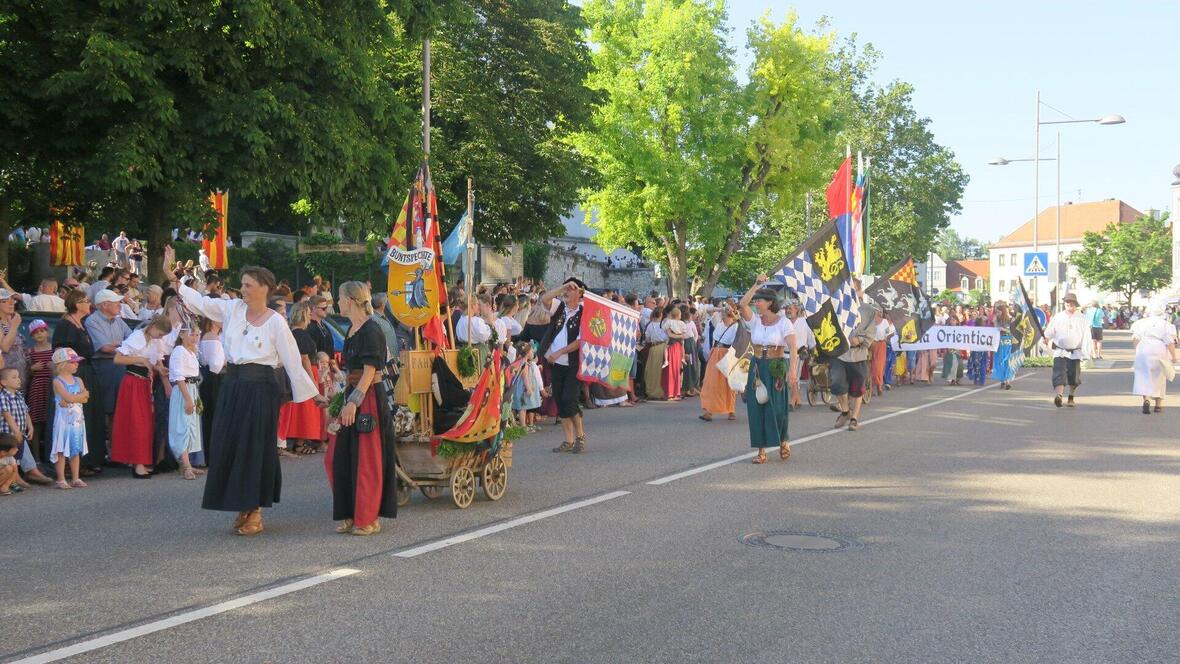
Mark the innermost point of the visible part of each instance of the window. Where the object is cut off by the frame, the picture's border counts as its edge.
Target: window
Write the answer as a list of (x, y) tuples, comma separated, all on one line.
[(979, 283), (1012, 260), (1002, 286), (1001, 260), (964, 282)]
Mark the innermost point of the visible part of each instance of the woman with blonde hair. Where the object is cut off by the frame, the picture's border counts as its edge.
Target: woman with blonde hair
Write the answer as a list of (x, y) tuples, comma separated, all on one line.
[(361, 460)]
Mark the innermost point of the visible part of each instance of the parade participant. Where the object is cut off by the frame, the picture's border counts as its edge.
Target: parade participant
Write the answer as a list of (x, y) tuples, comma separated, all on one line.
[(69, 422), (71, 333), (1097, 319), (690, 383), (952, 359), (850, 371), (977, 360), (674, 358), (107, 331), (716, 396), (133, 428), (244, 474), (506, 326), (475, 327), (211, 355), (804, 342), (771, 338), (657, 350), (360, 462), (1068, 333), (184, 420), (1008, 355), (302, 424), (882, 330), (1154, 339), (560, 349)]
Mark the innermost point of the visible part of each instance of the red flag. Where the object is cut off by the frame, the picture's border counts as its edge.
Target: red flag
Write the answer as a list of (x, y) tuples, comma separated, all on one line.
[(215, 249), (839, 200), (67, 246)]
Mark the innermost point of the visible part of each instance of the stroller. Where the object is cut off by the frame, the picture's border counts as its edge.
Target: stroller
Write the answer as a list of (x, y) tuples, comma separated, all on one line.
[(819, 382)]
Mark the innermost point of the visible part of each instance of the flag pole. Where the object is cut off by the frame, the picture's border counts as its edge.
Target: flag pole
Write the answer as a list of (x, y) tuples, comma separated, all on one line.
[(468, 263)]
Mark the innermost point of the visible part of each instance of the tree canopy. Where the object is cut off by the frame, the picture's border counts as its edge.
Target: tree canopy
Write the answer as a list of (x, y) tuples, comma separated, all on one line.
[(1128, 257)]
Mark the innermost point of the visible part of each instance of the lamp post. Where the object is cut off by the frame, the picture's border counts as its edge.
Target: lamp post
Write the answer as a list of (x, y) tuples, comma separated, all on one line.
[(1111, 119)]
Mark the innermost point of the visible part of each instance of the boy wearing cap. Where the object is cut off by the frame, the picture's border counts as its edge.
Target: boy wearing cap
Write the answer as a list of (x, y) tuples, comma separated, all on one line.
[(1069, 334)]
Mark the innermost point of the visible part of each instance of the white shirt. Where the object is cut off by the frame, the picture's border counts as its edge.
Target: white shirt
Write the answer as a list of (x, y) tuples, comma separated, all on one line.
[(481, 332), (269, 344), (655, 333), (182, 364), (211, 354), (724, 335), (883, 331), (119, 244), (562, 338), (146, 313), (138, 345), (43, 302), (1070, 333), (676, 327), (125, 311), (512, 327), (804, 337), (502, 337), (779, 333), (203, 261)]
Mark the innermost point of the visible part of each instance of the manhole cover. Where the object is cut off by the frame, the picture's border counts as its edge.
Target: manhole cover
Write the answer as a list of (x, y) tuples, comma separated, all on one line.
[(791, 541)]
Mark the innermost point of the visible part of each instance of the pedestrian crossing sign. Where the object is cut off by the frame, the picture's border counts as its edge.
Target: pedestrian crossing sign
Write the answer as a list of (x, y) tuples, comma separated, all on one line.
[(1036, 264)]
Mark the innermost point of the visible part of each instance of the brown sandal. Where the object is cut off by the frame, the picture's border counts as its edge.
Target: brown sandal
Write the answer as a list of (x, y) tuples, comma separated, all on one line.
[(760, 459), (784, 451)]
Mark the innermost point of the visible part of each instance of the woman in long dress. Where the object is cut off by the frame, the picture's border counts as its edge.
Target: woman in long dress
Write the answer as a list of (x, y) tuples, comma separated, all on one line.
[(716, 396), (1155, 343), (244, 474), (657, 350), (361, 461), (1009, 355), (772, 340)]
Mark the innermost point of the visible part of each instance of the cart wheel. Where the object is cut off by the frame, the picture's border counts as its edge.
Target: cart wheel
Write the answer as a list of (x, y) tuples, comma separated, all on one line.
[(463, 487), (826, 395), (810, 396), (868, 395), (431, 492), (403, 494), (495, 478)]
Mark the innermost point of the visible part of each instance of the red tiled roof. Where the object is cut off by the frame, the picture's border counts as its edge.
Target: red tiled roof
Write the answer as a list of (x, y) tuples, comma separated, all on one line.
[(1076, 219), (977, 266)]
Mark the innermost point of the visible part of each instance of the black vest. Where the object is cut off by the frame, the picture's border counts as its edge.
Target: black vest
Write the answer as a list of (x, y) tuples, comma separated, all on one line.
[(573, 327)]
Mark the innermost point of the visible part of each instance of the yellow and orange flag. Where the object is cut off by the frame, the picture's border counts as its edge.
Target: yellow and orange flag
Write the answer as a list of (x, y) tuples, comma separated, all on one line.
[(67, 244), (215, 249)]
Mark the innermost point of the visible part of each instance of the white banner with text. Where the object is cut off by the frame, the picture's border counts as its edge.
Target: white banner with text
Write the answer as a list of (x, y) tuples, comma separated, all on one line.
[(959, 337)]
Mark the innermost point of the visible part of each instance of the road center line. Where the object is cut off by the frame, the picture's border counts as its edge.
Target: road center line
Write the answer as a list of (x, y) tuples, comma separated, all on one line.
[(186, 617), (505, 525), (816, 436)]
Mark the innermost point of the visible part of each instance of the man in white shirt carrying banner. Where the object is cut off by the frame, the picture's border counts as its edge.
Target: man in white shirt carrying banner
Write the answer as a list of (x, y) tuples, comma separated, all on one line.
[(1069, 335)]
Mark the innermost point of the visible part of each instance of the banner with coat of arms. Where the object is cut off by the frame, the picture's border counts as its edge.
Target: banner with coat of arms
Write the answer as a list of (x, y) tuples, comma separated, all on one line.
[(902, 301), (609, 335), (817, 272)]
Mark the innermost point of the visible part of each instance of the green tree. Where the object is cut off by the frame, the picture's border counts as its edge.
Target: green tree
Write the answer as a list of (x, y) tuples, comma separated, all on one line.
[(952, 247), (684, 152), (153, 104), (1128, 257), (508, 88)]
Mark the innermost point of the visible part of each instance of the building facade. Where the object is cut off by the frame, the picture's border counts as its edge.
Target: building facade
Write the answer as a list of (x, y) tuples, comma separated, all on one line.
[(1007, 257)]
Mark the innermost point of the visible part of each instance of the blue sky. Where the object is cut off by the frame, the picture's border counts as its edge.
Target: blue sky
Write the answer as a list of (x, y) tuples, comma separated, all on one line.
[(976, 68)]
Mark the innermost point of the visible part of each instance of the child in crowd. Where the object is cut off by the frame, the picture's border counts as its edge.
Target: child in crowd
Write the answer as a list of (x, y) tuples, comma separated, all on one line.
[(69, 425), (533, 403), (40, 363), (8, 476), (14, 420), (526, 389), (184, 422), (332, 382)]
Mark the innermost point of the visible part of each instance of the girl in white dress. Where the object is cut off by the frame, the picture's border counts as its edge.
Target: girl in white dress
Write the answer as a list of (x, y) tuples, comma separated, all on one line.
[(184, 422), (69, 424)]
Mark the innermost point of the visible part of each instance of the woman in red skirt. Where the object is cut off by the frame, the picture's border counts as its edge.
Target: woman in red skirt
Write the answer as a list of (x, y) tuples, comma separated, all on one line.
[(674, 356), (133, 426), (361, 460), (302, 422)]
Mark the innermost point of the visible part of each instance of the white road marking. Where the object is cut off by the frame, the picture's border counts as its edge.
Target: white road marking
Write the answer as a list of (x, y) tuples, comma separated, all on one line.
[(823, 434), (505, 525), (187, 617)]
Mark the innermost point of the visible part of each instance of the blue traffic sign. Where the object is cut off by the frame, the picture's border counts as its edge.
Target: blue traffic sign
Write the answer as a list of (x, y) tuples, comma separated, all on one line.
[(1036, 264)]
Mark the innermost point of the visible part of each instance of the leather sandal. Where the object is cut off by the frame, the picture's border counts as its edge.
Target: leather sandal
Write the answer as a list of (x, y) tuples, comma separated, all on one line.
[(579, 445), (371, 529), (345, 527), (760, 459), (252, 525), (784, 451), (567, 446)]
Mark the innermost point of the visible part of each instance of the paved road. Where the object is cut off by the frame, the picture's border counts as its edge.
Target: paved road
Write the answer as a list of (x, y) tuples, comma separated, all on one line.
[(990, 527)]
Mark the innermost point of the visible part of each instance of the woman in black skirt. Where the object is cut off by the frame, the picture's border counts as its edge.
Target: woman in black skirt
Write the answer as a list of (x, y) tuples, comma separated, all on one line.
[(360, 463), (243, 458)]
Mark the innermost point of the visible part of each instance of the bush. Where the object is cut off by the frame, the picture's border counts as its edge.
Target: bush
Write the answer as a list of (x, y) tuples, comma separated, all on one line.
[(276, 256), (536, 260), (1038, 362)]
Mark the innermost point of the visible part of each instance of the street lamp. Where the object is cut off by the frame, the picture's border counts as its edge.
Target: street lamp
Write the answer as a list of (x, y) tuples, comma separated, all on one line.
[(1111, 119)]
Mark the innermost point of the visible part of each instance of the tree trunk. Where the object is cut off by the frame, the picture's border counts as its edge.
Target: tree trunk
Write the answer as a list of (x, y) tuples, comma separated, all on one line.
[(5, 229), (677, 251), (708, 274), (153, 210)]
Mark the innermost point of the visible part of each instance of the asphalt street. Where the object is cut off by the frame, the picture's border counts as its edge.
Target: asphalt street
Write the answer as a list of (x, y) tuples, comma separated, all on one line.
[(982, 525)]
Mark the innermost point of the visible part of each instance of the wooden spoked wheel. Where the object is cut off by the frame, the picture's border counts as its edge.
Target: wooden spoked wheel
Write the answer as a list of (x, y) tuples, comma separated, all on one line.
[(431, 492), (403, 494), (495, 478), (463, 487)]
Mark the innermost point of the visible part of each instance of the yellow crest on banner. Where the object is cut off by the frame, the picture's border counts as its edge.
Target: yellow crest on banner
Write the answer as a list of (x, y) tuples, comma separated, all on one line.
[(413, 286)]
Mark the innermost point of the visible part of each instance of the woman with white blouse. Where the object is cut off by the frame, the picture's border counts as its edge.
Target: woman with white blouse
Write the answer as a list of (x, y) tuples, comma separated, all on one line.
[(716, 396), (244, 473), (657, 351), (134, 423), (771, 338)]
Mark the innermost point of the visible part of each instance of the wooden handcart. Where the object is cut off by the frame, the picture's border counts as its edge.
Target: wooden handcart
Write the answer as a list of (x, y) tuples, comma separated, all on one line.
[(420, 467)]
